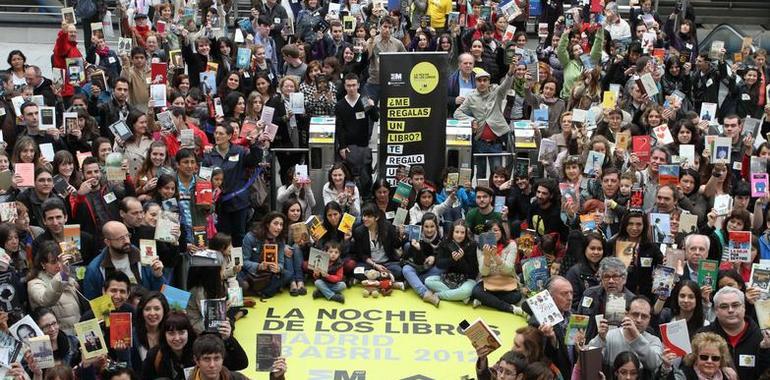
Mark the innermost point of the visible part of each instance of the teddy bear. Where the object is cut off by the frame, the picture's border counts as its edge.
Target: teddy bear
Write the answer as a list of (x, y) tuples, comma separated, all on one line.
[(371, 284), (380, 283)]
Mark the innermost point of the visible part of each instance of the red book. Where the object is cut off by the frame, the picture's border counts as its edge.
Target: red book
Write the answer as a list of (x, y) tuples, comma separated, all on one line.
[(159, 73), (120, 329), (641, 147), (203, 193), (596, 6)]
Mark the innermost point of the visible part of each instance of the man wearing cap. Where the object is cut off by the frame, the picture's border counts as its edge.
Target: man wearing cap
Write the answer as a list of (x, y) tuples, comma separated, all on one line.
[(483, 106)]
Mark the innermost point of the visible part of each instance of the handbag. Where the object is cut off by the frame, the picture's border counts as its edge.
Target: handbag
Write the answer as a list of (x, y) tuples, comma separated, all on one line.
[(453, 280), (258, 281)]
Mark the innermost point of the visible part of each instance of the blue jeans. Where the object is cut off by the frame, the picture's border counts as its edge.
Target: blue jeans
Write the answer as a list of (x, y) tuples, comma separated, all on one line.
[(415, 279), (294, 264), (328, 289), (481, 146), (393, 266), (435, 284)]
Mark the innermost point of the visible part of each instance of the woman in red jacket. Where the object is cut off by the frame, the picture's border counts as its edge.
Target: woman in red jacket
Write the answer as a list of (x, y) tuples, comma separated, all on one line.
[(66, 46)]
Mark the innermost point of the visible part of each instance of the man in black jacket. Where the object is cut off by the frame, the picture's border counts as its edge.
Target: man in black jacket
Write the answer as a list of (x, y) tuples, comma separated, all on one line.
[(354, 116), (116, 109), (41, 85), (612, 273), (705, 81), (749, 346), (562, 355), (545, 214)]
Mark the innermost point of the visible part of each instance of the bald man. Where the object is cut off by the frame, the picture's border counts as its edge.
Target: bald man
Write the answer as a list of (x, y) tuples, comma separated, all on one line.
[(119, 255)]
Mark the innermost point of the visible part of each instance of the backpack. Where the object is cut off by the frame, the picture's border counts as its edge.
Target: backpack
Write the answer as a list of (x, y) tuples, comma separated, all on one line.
[(85, 9)]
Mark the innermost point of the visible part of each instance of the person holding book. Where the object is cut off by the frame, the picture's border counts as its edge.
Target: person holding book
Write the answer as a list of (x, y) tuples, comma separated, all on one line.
[(148, 172), (205, 282), (710, 359), (208, 354), (420, 256), (331, 285), (66, 347), (594, 300), (331, 218), (499, 285), (426, 202), (460, 266), (509, 367), (686, 302), (265, 267), (341, 189), (736, 220), (633, 245), (174, 351), (50, 285), (374, 244), (297, 246), (233, 208), (151, 312), (631, 336), (589, 248), (484, 211), (293, 189)]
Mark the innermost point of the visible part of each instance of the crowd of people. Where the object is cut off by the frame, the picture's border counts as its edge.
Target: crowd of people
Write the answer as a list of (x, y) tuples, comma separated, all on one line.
[(176, 129)]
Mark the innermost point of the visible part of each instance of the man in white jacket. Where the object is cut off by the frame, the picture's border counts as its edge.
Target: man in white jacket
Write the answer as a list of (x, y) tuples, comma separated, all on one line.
[(631, 336)]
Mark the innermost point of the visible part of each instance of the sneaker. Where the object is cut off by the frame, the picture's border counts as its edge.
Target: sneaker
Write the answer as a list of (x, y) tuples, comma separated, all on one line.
[(520, 312), (338, 298), (431, 298), (317, 294), (465, 301), (302, 290), (476, 303)]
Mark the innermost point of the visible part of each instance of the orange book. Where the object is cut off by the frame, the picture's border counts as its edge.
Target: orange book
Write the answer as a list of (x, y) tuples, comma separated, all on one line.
[(120, 329), (270, 253)]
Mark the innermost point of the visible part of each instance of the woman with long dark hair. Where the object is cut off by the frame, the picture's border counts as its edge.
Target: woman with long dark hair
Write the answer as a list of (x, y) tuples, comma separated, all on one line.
[(271, 231), (66, 347), (633, 245), (589, 248), (375, 242), (499, 285), (331, 217), (296, 247), (456, 258), (420, 256), (150, 314), (685, 302)]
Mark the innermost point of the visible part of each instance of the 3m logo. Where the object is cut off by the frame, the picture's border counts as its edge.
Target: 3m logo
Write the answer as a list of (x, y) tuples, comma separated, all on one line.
[(356, 375), (338, 374), (396, 77)]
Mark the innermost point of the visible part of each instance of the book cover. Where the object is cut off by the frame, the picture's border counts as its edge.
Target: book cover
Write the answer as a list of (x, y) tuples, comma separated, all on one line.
[(668, 175), (609, 100), (707, 272), (270, 253), (688, 223), (540, 116), (148, 251), (622, 139), (687, 153), (760, 277), (402, 192), (759, 182), (204, 195), (200, 236), (722, 150), (346, 223), (483, 339), (548, 151), (739, 246), (590, 359), (465, 176), (25, 328), (297, 103), (8, 211), (723, 204), (762, 307), (120, 329), (120, 129), (535, 273), (716, 50), (544, 309), (661, 227), (637, 198), (413, 232), (247, 127), (675, 337), (159, 72), (42, 351), (452, 180), (236, 253), (641, 147), (268, 349), (594, 162), (12, 349), (243, 58), (674, 258), (27, 174), (75, 72), (649, 85), (214, 314), (102, 306), (577, 323), (708, 112), (569, 194), (615, 309), (316, 227), (520, 168), (487, 239), (625, 250), (400, 217), (177, 298), (6, 179), (318, 261), (663, 280), (69, 248), (114, 167), (663, 135), (499, 203), (91, 339), (301, 171), (300, 233), (235, 296), (167, 220)]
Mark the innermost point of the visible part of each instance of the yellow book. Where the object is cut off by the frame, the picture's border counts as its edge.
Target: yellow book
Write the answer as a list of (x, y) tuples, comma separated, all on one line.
[(91, 338), (102, 306), (346, 224), (316, 227), (622, 140), (609, 100)]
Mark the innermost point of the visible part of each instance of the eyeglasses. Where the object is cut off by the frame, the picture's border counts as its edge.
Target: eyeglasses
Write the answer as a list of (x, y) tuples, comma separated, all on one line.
[(713, 358), (612, 276), (49, 326), (728, 306), (124, 237)]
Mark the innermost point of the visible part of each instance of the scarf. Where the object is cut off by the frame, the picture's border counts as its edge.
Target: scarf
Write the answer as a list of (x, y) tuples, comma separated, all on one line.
[(518, 86), (701, 376), (102, 52)]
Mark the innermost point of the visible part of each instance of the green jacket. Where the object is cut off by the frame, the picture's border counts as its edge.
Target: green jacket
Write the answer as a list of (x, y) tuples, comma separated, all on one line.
[(574, 67)]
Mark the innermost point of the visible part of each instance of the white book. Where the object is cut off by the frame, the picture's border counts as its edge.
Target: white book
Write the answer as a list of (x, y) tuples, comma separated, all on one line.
[(676, 337), (47, 151), (687, 153), (544, 309), (318, 260)]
